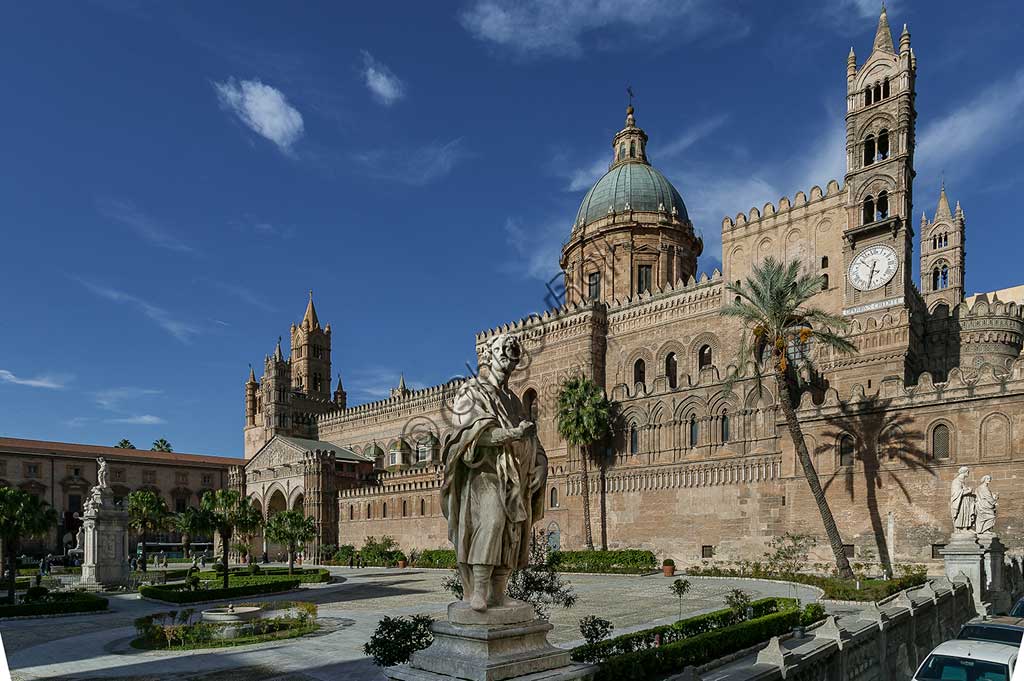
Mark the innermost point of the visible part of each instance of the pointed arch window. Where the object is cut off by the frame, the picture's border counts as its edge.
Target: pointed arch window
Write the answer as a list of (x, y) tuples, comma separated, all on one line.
[(530, 404), (869, 209), (867, 96), (885, 88), (369, 511), (846, 450), (405, 508), (554, 498), (639, 372), (351, 512), (944, 277), (869, 150), (882, 150), (940, 442), (671, 370), (882, 205), (725, 426), (694, 431), (876, 94), (704, 357), (824, 282), (824, 262), (384, 510), (634, 439), (423, 507)]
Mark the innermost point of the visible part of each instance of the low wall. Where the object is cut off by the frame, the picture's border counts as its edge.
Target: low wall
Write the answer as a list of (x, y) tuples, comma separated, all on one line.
[(881, 643)]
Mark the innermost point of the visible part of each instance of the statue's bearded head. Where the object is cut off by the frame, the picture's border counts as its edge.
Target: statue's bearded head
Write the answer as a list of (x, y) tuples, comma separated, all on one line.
[(504, 354)]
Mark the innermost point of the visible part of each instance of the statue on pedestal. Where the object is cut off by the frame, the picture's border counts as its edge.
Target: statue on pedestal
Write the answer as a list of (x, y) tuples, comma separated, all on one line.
[(962, 503), (101, 473), (495, 471), (985, 506)]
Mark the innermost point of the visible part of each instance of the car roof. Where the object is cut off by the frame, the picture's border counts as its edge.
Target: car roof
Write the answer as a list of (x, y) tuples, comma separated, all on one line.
[(1003, 622), (978, 650)]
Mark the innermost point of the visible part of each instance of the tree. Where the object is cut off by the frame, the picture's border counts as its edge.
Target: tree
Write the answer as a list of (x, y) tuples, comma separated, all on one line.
[(161, 445), (680, 588), (292, 529), (778, 327), (22, 515), (189, 523), (147, 512), (228, 511), (585, 420), (125, 444)]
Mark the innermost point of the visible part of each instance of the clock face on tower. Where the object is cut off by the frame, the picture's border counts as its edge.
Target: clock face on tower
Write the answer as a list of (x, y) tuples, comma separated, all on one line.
[(873, 267)]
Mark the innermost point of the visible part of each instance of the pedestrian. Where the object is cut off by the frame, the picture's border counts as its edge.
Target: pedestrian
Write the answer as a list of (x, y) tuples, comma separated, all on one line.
[(42, 567), (351, 559), (202, 560), (266, 558)]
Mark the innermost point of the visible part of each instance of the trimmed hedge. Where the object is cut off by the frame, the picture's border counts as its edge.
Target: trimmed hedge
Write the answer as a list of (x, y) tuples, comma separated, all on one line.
[(436, 558), (696, 650), (178, 593), (626, 561), (648, 639), (244, 576), (57, 604), (834, 587)]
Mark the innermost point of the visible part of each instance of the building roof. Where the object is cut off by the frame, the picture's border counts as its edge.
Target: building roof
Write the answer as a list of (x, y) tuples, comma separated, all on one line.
[(340, 453), (630, 186), (14, 445)]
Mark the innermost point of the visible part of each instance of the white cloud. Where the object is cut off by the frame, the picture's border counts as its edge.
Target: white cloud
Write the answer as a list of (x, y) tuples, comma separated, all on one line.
[(242, 293), (417, 166), (585, 176), (375, 383), (386, 87), (128, 214), (981, 124), (181, 330), (140, 420), (44, 381), (539, 248), (114, 398), (560, 27), (867, 9), (264, 109), (691, 137)]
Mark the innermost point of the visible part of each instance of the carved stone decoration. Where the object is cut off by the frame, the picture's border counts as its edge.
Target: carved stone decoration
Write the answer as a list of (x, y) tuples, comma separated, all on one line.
[(962, 503), (985, 506), (105, 533)]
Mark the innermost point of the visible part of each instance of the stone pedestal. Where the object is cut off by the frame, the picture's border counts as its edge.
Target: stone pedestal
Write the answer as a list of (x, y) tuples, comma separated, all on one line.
[(105, 526), (505, 642), (963, 555), (996, 591)]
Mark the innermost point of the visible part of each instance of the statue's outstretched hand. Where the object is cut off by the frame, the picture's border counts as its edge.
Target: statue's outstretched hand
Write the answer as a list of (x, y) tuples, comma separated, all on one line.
[(527, 429)]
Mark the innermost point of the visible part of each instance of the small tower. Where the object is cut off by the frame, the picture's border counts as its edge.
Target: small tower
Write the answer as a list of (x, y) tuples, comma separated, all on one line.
[(311, 355), (340, 396), (251, 400), (401, 391), (943, 254), (277, 382)]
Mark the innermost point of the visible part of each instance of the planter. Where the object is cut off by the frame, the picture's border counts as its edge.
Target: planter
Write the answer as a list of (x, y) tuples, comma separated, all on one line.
[(402, 564), (668, 570)]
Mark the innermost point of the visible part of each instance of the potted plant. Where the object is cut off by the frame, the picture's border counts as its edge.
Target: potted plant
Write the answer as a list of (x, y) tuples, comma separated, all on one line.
[(668, 567), (402, 560)]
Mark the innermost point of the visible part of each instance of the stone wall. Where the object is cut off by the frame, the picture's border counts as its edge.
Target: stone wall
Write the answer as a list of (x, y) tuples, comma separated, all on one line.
[(883, 643)]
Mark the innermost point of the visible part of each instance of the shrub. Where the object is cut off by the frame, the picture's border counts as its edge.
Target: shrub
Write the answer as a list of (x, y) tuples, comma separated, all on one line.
[(789, 552), (626, 561), (397, 638), (436, 558), (738, 601), (344, 552), (812, 613), (58, 603), (254, 569), (383, 553), (595, 629), (36, 594), (680, 588), (177, 593)]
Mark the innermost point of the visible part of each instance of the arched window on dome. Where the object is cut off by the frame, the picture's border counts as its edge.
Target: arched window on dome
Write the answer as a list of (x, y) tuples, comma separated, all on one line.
[(671, 369), (622, 151), (639, 372), (632, 150)]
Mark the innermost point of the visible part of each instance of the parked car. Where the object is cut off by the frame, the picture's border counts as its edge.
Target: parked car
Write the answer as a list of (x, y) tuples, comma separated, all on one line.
[(1018, 609), (968, 661), (1007, 630)]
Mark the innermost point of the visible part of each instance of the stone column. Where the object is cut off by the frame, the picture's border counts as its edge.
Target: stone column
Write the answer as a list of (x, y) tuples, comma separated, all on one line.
[(105, 529), (319, 500), (996, 592), (963, 555)]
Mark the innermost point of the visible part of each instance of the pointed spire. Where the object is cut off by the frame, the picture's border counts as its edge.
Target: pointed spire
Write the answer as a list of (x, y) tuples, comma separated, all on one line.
[(851, 64), (252, 375), (883, 36), (340, 388), (309, 320), (905, 40), (401, 382), (942, 211), (278, 355)]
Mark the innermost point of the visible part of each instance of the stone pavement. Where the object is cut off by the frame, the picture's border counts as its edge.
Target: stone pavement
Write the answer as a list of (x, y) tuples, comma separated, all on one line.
[(96, 646)]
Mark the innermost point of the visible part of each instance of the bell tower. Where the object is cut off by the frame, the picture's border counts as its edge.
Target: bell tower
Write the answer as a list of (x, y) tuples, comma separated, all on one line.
[(311, 355), (880, 119), (942, 254)]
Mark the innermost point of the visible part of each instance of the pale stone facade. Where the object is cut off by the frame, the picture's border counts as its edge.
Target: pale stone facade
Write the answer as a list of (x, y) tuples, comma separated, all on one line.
[(701, 470)]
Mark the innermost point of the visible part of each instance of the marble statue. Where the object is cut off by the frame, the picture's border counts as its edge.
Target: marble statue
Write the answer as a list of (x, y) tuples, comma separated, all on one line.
[(101, 474), (985, 506), (495, 471), (962, 502), (80, 538)]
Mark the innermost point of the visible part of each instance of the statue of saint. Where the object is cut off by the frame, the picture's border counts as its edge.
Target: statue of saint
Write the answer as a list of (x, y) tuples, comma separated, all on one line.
[(985, 507), (101, 474), (495, 471), (961, 502)]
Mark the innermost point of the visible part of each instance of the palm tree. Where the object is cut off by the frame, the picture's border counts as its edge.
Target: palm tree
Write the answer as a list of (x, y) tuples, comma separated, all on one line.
[(147, 512), (227, 511), (22, 515), (188, 524), (161, 445), (584, 420), (293, 529), (772, 306), (125, 444)]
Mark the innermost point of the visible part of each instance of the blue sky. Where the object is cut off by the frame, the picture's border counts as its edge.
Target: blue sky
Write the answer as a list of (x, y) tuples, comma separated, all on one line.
[(176, 176)]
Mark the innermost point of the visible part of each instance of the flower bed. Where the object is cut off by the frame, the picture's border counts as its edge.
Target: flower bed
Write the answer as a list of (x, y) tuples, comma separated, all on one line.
[(185, 630), (626, 561), (835, 588), (252, 586), (60, 603)]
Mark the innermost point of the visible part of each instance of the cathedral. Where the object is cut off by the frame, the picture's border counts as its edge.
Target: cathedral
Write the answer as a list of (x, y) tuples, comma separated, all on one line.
[(700, 469)]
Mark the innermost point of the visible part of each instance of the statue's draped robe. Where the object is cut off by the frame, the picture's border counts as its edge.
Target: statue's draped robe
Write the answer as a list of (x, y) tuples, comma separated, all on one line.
[(961, 505), (492, 494), (986, 509)]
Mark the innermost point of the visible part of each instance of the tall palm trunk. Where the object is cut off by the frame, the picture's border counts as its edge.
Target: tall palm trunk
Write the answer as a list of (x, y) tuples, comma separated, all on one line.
[(12, 563), (603, 510), (291, 559), (186, 544), (225, 540), (588, 534), (796, 433)]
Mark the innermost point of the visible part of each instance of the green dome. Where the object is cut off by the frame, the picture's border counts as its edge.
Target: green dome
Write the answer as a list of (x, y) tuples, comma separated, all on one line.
[(636, 184)]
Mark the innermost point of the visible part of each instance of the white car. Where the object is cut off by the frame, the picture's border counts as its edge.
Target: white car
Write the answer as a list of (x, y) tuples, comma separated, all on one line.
[(968, 661)]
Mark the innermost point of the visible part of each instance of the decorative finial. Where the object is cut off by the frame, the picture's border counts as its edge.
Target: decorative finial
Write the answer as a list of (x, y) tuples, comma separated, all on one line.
[(311, 294)]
